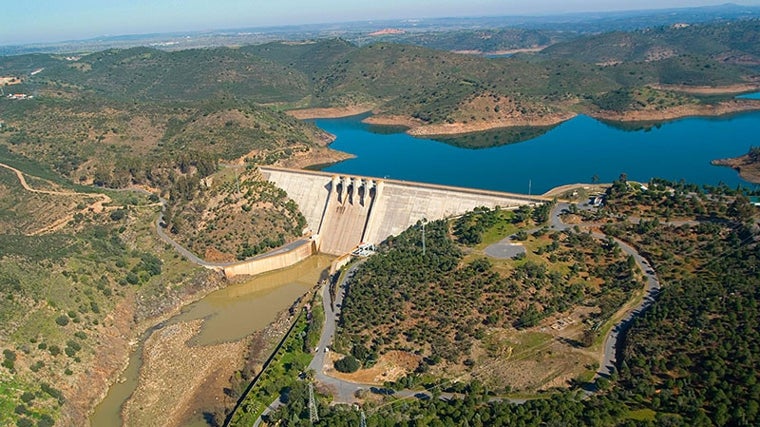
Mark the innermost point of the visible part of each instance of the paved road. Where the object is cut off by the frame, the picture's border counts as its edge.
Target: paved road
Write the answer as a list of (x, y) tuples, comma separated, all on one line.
[(612, 341), (214, 265), (611, 348), (343, 391)]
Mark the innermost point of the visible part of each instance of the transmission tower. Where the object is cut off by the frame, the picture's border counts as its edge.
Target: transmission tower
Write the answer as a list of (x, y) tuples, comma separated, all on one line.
[(363, 421), (313, 415)]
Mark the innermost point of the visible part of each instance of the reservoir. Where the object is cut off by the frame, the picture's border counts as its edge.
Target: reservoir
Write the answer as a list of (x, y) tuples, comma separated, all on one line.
[(575, 151)]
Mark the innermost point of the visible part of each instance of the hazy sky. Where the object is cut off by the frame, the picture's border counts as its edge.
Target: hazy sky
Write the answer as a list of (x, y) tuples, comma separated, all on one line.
[(23, 21)]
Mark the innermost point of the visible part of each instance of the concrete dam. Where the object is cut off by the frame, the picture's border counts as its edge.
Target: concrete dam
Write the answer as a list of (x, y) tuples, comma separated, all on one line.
[(343, 211)]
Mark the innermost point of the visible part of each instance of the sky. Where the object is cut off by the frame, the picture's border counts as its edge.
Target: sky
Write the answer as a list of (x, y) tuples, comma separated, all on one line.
[(31, 21)]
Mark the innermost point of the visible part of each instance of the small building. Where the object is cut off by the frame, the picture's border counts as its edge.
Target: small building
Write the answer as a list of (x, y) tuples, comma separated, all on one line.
[(364, 250)]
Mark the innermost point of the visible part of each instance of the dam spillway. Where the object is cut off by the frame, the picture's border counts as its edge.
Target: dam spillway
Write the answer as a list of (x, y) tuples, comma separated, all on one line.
[(347, 210)]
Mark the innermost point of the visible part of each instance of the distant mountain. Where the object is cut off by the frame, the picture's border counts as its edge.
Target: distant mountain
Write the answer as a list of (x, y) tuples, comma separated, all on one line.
[(486, 34), (730, 42), (615, 72)]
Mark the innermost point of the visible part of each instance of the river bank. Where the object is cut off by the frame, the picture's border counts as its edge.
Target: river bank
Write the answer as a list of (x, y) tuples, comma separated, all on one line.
[(128, 322), (198, 350), (174, 372)]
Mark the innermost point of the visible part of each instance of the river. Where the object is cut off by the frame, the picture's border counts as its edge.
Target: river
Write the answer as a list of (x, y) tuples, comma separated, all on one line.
[(229, 314), (578, 150)]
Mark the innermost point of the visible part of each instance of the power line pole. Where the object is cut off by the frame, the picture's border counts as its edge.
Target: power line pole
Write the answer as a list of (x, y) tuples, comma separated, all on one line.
[(423, 235), (313, 415)]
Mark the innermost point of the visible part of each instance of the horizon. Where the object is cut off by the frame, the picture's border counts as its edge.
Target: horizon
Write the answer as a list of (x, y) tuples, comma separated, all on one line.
[(52, 22)]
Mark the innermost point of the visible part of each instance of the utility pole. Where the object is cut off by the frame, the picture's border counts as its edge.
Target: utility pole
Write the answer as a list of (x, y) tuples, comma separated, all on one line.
[(313, 415), (424, 220)]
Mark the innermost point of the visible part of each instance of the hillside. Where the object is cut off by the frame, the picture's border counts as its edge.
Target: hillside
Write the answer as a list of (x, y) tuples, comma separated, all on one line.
[(730, 43), (234, 215), (74, 295), (690, 359), (484, 41), (435, 91), (173, 150), (747, 165), (451, 311)]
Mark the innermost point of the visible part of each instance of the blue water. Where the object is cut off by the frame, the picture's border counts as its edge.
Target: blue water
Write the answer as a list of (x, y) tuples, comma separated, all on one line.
[(755, 95), (572, 152)]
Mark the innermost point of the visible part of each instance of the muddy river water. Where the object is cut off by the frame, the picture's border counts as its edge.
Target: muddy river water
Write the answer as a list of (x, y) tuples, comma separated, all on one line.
[(229, 314)]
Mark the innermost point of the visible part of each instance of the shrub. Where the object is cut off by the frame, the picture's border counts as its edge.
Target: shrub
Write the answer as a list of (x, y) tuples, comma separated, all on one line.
[(347, 364), (45, 421), (62, 320), (118, 214), (132, 278)]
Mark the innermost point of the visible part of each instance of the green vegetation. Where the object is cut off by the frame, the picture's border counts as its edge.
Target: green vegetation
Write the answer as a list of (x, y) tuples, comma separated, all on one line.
[(237, 214), (59, 289), (689, 360), (448, 311), (347, 364), (703, 42), (281, 377)]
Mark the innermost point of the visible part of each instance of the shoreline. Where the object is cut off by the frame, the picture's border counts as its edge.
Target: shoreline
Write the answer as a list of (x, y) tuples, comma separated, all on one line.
[(747, 170), (680, 112), (139, 329), (417, 128), (165, 383), (710, 90)]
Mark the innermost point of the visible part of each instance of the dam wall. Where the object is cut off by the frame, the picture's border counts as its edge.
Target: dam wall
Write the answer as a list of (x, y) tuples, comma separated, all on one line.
[(346, 210), (309, 191), (291, 255), (401, 204)]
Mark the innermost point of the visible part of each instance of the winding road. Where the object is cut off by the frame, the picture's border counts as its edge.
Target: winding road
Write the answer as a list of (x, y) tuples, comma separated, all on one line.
[(345, 390), (97, 206), (652, 289)]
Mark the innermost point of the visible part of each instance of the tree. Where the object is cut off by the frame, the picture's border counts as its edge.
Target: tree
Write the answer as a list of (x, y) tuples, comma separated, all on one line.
[(347, 364), (754, 154)]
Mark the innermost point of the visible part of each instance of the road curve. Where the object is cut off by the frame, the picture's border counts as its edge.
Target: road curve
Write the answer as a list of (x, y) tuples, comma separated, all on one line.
[(615, 335), (345, 391)]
